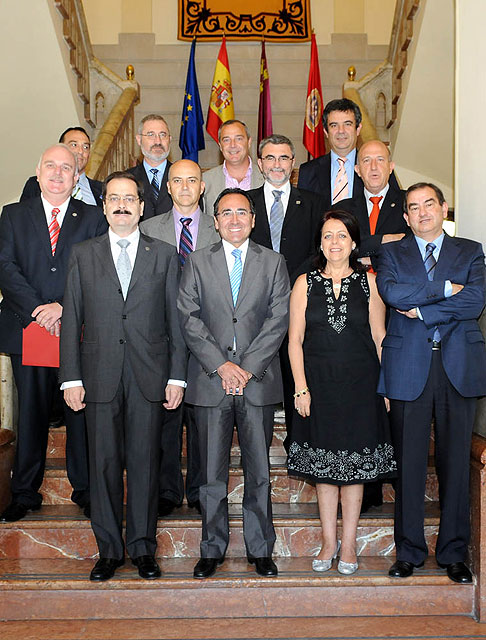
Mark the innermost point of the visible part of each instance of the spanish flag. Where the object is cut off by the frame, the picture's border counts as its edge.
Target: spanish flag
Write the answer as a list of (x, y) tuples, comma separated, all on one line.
[(221, 106)]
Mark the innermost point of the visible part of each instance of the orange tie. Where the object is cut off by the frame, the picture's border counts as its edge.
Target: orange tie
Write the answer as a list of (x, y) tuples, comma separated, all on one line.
[(375, 212), (54, 229)]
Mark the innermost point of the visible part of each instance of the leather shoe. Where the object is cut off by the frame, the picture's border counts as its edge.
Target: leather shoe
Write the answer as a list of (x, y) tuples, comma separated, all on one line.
[(104, 569), (147, 567), (206, 567), (195, 505), (264, 566), (16, 511), (458, 572), (403, 569), (166, 507)]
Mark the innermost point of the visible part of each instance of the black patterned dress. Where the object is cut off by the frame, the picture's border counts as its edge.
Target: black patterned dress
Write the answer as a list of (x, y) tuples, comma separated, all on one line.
[(346, 439)]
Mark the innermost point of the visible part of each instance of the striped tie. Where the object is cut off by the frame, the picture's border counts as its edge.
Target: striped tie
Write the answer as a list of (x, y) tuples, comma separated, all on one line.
[(429, 260), (276, 220), (235, 277), (340, 190), (54, 229), (185, 242), (155, 185)]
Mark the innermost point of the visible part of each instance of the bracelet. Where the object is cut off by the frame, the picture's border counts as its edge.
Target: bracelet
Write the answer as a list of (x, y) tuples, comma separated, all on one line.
[(302, 392)]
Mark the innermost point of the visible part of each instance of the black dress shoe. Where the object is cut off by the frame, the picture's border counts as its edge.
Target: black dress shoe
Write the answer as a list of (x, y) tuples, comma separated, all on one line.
[(403, 569), (264, 566), (104, 569), (195, 505), (458, 572), (147, 567), (206, 567), (16, 511), (166, 507)]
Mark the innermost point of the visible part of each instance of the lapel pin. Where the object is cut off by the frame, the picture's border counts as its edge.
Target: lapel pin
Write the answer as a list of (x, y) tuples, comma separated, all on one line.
[(392, 204), (147, 248), (74, 214), (297, 202)]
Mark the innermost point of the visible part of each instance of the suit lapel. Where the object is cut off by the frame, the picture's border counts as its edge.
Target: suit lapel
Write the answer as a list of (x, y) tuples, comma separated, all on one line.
[(69, 225), (204, 231), (293, 208), (220, 272), (38, 218), (253, 265), (390, 203), (448, 255), (167, 227), (261, 218), (412, 257), (102, 250), (143, 258)]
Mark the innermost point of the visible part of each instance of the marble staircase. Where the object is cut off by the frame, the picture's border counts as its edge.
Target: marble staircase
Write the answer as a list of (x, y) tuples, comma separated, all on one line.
[(46, 558)]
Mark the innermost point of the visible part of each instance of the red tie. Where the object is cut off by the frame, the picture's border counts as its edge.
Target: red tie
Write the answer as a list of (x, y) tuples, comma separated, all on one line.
[(54, 229), (375, 212)]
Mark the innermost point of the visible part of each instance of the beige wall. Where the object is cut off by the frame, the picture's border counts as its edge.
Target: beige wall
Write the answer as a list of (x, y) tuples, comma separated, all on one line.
[(40, 103), (422, 139), (109, 18)]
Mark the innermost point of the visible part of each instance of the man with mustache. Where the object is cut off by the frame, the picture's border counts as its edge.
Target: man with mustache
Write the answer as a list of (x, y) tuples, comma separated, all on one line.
[(154, 141)]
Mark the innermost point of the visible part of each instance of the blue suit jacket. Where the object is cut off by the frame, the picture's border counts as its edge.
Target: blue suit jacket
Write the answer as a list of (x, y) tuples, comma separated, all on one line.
[(403, 284)]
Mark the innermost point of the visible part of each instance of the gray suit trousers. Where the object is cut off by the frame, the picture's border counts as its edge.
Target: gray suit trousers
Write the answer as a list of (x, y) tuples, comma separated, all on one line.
[(215, 427)]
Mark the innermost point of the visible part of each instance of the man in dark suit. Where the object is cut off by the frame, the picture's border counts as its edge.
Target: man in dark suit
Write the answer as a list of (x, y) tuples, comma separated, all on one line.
[(186, 228), (286, 221), (154, 141), (36, 237), (122, 356), (233, 308), (85, 189), (433, 365)]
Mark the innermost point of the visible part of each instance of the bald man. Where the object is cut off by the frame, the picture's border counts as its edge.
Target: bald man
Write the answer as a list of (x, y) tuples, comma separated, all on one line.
[(187, 229)]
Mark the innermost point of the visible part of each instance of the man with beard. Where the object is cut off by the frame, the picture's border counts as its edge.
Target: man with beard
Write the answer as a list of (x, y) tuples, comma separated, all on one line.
[(154, 141)]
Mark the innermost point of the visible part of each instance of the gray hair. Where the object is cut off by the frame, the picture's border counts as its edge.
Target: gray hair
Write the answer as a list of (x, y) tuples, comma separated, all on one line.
[(151, 116), (276, 139)]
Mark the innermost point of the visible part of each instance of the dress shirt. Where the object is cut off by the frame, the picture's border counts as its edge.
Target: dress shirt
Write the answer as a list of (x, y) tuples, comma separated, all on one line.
[(422, 244), (232, 183), (48, 207), (270, 198), (193, 227), (150, 175), (82, 190), (368, 195), (348, 165), (230, 259)]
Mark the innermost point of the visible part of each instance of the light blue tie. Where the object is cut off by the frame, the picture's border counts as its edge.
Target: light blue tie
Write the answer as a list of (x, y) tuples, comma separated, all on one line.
[(429, 260), (124, 267), (276, 220), (235, 276)]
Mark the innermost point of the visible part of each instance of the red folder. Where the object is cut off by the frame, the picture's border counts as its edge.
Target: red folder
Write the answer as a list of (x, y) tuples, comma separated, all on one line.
[(39, 348)]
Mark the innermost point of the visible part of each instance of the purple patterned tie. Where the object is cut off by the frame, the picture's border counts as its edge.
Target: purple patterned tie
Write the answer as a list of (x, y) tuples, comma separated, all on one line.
[(185, 242)]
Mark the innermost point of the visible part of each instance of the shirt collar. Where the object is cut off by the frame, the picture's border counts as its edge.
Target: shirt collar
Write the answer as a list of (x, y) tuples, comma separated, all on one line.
[(195, 215), (422, 244), (284, 188), (228, 248), (247, 174), (48, 207), (160, 167), (351, 157), (382, 193), (132, 238)]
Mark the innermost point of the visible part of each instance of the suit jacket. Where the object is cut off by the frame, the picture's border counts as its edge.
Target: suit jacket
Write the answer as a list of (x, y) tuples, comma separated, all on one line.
[(301, 220), (32, 189), (163, 228), (315, 176), (144, 327), (390, 220), (164, 201), (29, 274), (215, 183), (403, 284), (210, 323)]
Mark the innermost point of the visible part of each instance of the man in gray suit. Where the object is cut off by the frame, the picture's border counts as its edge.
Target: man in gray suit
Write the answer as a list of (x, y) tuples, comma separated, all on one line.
[(233, 308), (122, 357), (187, 229), (237, 169)]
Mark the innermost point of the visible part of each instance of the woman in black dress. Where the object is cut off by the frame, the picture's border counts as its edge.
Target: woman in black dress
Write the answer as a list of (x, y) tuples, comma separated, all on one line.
[(340, 433)]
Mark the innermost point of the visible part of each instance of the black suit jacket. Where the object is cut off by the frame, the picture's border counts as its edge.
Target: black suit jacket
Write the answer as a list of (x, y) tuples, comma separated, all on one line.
[(301, 220), (29, 274), (32, 190), (390, 220), (315, 176), (164, 201)]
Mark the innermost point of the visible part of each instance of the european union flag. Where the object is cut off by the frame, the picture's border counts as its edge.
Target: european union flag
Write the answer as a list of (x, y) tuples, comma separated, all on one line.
[(191, 139)]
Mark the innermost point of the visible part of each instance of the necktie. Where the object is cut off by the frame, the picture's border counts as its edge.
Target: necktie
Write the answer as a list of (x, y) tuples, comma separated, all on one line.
[(340, 190), (155, 184), (54, 230), (124, 267), (429, 260), (235, 276), (375, 212), (276, 220), (185, 242)]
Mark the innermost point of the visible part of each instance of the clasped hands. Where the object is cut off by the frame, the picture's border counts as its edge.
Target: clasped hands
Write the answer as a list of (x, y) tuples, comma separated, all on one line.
[(49, 317), (233, 378)]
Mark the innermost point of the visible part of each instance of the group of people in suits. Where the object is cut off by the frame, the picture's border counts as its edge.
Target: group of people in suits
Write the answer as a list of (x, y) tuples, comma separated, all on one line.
[(196, 297)]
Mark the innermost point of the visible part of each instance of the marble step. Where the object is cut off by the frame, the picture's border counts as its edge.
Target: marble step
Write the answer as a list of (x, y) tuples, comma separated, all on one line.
[(57, 490), (60, 590), (62, 531)]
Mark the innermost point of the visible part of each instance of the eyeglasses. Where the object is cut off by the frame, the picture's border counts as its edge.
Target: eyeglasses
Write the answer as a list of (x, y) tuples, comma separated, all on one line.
[(281, 159), (126, 199), (227, 213), (151, 135)]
